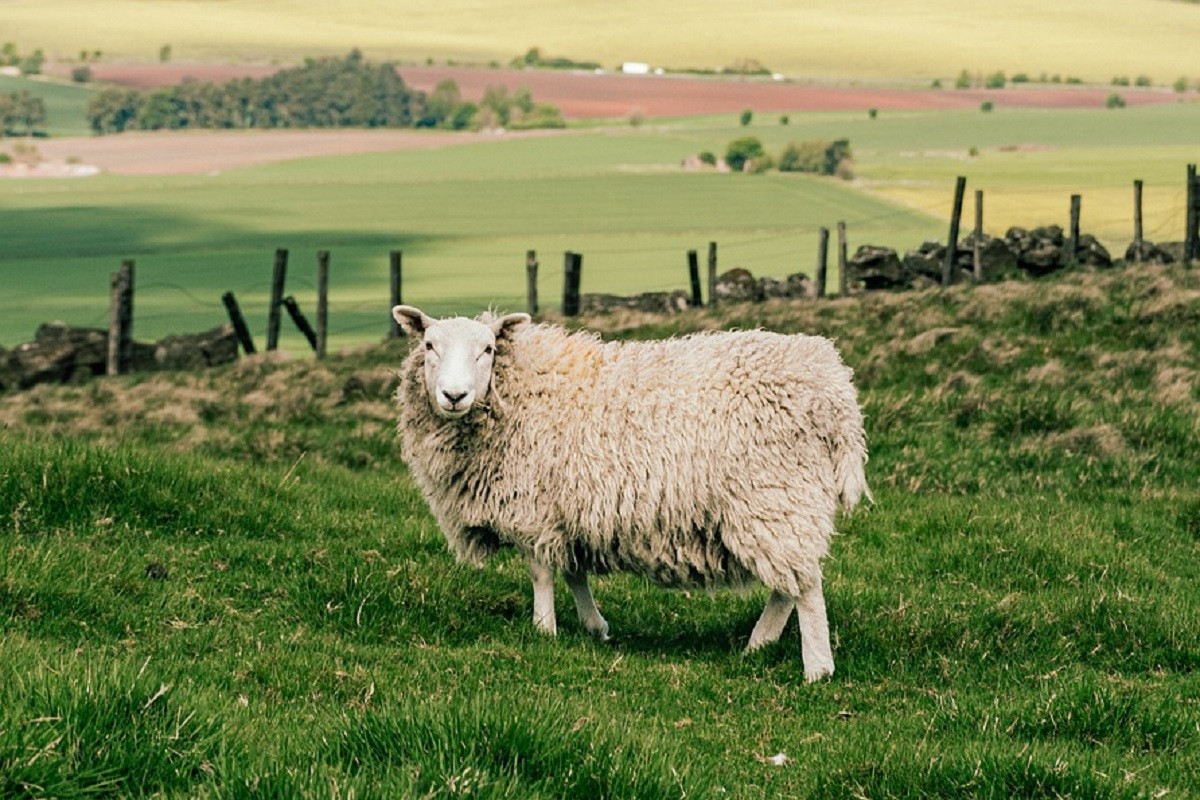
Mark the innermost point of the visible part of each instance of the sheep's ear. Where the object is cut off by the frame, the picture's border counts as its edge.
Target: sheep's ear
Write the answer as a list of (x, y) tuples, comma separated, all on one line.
[(412, 320), (509, 324)]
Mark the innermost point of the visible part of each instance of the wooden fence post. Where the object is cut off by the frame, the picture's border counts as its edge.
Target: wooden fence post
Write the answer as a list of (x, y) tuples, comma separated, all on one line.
[(394, 259), (693, 259), (572, 272), (960, 188), (277, 280), (120, 324), (531, 271), (1073, 239), (712, 273), (293, 309), (1191, 237), (843, 262), (1137, 222), (977, 254), (822, 259), (322, 302)]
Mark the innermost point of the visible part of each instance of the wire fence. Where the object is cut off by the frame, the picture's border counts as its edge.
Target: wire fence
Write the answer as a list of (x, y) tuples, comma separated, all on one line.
[(773, 251)]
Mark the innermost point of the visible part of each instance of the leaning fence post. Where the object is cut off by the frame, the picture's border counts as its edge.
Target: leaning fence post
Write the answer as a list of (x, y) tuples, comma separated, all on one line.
[(693, 259), (531, 271), (843, 261), (120, 324), (277, 281), (712, 273), (293, 309), (322, 302), (1073, 239), (1137, 222), (822, 259), (960, 187), (394, 259), (238, 322)]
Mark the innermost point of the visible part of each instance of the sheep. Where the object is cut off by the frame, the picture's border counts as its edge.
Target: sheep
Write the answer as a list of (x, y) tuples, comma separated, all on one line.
[(709, 460)]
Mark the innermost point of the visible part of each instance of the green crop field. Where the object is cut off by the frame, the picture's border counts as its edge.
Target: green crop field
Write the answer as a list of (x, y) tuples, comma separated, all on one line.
[(223, 584), (1091, 39), (464, 218)]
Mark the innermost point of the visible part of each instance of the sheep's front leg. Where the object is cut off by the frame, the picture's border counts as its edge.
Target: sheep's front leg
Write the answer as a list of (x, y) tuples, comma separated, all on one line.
[(543, 597), (585, 604)]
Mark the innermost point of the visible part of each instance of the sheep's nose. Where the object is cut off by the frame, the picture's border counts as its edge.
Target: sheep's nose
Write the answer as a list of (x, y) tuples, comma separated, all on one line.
[(453, 397)]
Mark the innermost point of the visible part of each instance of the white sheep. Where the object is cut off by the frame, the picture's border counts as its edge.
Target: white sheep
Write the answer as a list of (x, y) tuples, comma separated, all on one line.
[(708, 460)]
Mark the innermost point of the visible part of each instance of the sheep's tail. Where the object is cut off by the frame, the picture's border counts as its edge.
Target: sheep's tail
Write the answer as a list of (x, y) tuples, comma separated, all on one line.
[(850, 459), (850, 473)]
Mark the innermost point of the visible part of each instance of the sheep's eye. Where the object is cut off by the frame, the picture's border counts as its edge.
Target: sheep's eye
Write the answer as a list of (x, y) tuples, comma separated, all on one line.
[(488, 350), (429, 346)]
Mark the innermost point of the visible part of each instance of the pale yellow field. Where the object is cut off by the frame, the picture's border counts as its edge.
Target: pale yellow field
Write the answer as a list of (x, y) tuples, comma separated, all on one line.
[(865, 39)]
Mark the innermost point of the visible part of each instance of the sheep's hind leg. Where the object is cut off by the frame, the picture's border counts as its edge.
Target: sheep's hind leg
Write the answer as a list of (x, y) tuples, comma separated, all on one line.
[(772, 622), (814, 633), (543, 597), (585, 604)]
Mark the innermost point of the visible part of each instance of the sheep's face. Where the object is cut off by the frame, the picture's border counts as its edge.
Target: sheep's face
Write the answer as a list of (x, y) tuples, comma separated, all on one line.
[(459, 354)]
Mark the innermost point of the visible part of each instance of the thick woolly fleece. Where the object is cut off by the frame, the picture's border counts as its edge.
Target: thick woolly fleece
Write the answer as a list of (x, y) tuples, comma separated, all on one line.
[(706, 460)]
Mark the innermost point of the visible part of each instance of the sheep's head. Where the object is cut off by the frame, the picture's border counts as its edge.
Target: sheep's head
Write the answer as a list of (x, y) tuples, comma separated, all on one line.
[(459, 354)]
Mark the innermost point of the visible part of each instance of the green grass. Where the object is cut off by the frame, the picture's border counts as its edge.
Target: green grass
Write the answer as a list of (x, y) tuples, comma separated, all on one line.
[(1014, 617), (856, 39)]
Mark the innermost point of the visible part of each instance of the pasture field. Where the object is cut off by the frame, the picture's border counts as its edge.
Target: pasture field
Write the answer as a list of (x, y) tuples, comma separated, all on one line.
[(223, 584), (465, 215), (857, 39)]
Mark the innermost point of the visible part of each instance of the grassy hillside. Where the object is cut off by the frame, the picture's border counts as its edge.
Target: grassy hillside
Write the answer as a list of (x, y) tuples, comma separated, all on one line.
[(224, 585), (855, 39)]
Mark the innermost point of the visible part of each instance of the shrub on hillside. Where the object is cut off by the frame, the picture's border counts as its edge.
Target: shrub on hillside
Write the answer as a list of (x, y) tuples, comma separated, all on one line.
[(1114, 101), (821, 157), (739, 151)]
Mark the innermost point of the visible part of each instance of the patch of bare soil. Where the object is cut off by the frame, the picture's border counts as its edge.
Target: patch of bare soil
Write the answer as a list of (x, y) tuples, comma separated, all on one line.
[(587, 95), (200, 152)]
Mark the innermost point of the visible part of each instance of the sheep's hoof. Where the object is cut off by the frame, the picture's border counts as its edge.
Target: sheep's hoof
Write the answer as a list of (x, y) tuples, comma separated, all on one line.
[(817, 673), (598, 630)]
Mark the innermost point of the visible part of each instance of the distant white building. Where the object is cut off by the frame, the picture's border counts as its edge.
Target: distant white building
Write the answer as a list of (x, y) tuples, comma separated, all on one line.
[(635, 68)]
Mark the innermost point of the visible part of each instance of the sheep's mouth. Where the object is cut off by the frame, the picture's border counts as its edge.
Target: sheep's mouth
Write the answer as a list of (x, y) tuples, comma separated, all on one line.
[(455, 411)]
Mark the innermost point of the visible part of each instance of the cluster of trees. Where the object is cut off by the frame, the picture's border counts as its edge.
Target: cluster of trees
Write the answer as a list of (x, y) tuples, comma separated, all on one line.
[(444, 107), (324, 93), (329, 92), (819, 157), (30, 64), (21, 114)]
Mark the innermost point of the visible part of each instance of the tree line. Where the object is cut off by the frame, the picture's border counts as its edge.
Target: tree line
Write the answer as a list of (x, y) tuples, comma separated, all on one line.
[(323, 93)]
